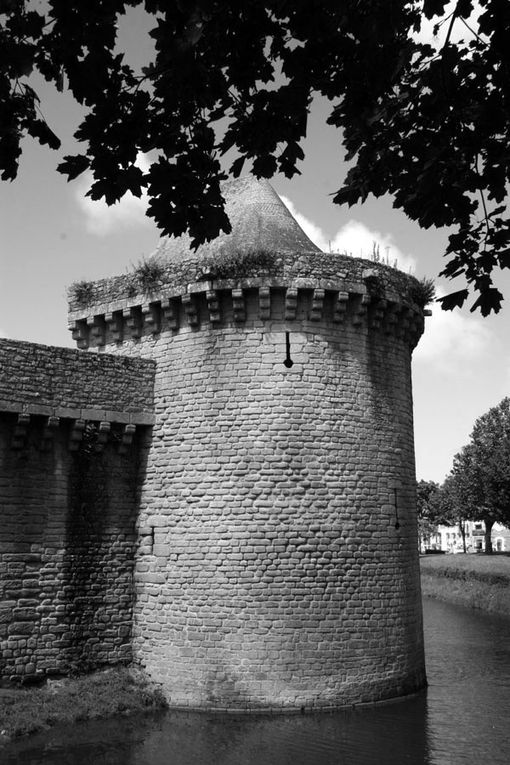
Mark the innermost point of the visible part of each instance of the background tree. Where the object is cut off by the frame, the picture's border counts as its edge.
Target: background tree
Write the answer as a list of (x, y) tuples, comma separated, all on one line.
[(482, 470), (439, 505), (428, 124), (427, 521), (450, 506)]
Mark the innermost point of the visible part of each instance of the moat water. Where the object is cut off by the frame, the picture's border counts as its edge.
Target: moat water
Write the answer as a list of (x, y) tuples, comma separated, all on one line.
[(463, 717)]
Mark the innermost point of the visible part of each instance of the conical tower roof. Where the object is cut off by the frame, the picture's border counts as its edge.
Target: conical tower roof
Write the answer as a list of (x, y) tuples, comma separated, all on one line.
[(259, 219)]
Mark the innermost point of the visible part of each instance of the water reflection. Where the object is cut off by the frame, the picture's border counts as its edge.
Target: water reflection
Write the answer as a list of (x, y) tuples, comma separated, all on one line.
[(461, 719), (468, 666), (394, 734)]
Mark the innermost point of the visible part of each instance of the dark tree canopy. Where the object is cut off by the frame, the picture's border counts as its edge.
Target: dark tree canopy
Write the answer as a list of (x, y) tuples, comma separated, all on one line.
[(429, 125)]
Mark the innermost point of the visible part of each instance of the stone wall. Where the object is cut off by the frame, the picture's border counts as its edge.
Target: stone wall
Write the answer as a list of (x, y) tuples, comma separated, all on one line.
[(108, 301), (52, 381), (278, 560), (72, 429)]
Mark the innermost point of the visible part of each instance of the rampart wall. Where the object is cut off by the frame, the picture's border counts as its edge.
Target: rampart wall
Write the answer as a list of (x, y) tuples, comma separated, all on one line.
[(50, 381), (72, 433)]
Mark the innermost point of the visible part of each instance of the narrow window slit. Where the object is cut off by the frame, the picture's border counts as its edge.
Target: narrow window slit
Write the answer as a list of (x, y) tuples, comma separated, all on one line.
[(288, 361)]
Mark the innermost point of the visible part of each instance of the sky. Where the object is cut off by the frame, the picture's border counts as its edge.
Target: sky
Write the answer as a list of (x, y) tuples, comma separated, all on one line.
[(51, 235)]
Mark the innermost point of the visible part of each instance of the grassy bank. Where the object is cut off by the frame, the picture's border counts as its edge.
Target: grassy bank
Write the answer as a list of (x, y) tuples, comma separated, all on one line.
[(101, 695), (477, 581)]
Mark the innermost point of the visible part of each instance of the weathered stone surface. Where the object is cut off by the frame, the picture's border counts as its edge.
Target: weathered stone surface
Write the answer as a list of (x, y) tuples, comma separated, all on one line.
[(66, 555), (46, 380), (274, 574), (257, 548)]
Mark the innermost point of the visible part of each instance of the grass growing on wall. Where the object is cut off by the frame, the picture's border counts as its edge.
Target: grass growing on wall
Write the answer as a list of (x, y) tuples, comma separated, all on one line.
[(82, 292), (148, 277), (236, 265), (423, 292)]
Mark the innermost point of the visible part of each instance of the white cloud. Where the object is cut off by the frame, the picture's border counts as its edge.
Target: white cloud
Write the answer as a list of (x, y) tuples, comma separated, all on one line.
[(354, 238), (312, 231), (452, 337), (101, 219)]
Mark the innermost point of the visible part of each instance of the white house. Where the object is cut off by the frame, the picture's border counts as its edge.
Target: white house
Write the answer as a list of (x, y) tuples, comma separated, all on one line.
[(449, 538)]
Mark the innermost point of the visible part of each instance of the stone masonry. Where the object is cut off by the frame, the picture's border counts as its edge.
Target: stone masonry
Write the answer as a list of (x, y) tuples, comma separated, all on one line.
[(70, 461), (276, 562)]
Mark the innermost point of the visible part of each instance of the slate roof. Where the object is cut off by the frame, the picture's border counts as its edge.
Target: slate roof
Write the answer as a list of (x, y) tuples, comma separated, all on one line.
[(259, 219)]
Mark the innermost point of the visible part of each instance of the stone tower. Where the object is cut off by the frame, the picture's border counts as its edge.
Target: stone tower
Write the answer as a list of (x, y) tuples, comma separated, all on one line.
[(277, 563)]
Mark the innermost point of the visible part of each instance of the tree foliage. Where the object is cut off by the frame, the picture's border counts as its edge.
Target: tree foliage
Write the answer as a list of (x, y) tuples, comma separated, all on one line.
[(424, 506), (450, 505), (481, 470), (427, 523), (429, 125), (437, 505)]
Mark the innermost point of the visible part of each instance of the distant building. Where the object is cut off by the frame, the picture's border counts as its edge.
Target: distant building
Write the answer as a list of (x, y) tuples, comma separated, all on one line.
[(449, 539)]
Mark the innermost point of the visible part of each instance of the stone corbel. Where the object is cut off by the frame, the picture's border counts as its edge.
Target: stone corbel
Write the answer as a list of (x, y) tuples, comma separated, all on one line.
[(390, 318), (80, 333), (151, 317), (127, 438), (340, 309), (50, 427), (291, 297), (190, 309), (76, 435), (20, 431), (264, 303), (360, 309), (132, 317), (377, 313), (170, 312), (97, 329), (416, 329), (403, 321), (103, 432), (317, 305), (213, 306), (238, 305), (114, 324)]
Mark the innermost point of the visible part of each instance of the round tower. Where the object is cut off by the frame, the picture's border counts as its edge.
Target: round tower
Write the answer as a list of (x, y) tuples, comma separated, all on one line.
[(277, 564)]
